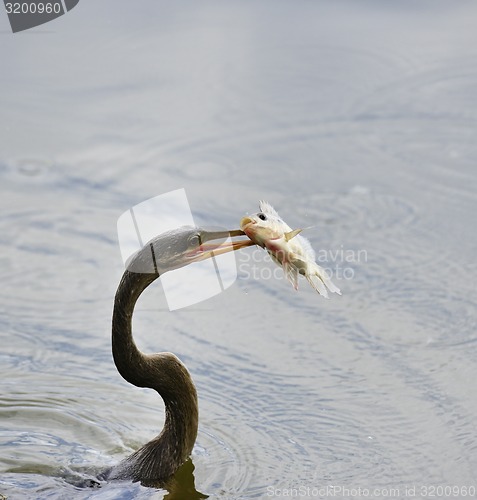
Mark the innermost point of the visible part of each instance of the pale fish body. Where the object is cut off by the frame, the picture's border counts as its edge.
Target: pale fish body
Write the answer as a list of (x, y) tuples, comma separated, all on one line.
[(287, 248)]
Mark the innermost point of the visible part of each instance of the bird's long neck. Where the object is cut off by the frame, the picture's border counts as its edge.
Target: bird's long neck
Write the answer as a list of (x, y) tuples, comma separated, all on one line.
[(129, 360), (164, 372)]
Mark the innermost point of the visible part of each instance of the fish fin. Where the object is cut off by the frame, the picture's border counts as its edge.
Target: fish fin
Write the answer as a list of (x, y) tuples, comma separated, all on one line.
[(277, 262), (318, 285), (291, 273), (320, 273), (266, 208), (308, 227), (292, 234)]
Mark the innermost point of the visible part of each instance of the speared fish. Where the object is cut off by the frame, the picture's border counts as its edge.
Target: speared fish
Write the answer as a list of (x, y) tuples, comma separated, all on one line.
[(287, 248)]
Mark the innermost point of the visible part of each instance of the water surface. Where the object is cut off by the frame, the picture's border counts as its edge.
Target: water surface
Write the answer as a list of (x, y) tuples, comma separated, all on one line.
[(357, 120)]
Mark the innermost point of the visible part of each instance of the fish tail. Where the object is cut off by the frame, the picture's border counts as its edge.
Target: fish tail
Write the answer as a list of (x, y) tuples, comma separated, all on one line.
[(322, 282), (317, 285)]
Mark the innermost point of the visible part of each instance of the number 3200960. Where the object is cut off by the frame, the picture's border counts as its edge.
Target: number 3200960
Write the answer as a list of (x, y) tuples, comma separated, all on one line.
[(33, 8)]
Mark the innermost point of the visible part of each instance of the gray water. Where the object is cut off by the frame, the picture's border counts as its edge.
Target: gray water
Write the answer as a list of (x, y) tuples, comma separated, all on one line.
[(355, 118)]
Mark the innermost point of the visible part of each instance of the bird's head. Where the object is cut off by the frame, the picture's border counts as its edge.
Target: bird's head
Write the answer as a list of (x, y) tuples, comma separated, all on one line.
[(182, 246)]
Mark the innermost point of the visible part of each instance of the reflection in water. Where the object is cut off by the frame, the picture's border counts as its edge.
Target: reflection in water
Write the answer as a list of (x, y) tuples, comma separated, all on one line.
[(182, 484)]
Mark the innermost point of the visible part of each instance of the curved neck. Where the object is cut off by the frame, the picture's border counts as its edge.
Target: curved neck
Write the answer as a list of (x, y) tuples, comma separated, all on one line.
[(163, 372), (129, 360)]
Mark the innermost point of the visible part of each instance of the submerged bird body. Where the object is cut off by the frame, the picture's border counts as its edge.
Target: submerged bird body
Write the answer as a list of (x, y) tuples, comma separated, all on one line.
[(287, 248)]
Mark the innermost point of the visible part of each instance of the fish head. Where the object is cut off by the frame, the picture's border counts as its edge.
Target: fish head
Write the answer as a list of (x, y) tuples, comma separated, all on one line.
[(264, 226)]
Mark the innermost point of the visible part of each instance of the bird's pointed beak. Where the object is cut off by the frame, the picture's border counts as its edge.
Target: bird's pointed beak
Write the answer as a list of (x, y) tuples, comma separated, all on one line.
[(224, 244)]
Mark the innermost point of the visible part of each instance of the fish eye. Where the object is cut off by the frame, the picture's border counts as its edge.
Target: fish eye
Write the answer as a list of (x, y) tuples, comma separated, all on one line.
[(262, 216)]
